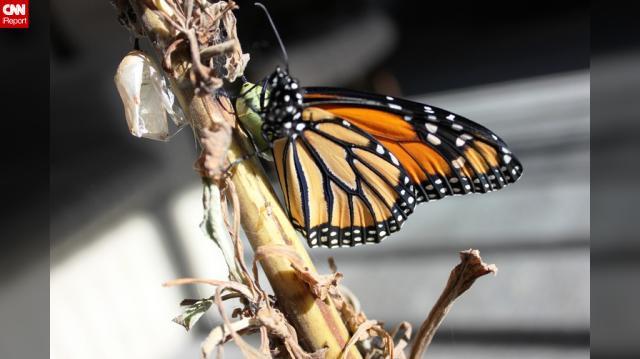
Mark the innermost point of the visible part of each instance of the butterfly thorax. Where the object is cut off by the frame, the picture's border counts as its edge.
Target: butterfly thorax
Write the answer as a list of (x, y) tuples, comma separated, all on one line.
[(283, 111)]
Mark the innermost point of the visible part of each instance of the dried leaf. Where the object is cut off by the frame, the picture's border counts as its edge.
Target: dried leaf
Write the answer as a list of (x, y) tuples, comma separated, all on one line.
[(236, 61), (193, 313), (277, 325), (362, 333), (213, 226), (210, 32), (247, 350), (213, 161), (321, 285), (401, 337), (164, 6), (222, 334)]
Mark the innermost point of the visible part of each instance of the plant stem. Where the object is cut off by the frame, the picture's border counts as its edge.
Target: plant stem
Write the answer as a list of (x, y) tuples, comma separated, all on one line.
[(461, 278), (318, 323), (265, 223)]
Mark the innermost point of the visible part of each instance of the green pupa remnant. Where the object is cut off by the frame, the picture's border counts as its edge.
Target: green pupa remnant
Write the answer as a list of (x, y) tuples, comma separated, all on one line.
[(248, 107)]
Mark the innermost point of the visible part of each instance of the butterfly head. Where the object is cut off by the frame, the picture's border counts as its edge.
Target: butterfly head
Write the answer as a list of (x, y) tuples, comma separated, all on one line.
[(284, 108)]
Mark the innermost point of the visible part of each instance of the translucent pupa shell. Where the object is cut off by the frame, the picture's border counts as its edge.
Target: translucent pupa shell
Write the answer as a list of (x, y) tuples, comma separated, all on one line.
[(147, 100)]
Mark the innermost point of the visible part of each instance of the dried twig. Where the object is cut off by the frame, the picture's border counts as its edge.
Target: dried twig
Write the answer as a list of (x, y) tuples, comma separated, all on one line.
[(362, 329), (320, 285), (259, 314), (278, 326), (208, 30), (461, 278), (246, 349), (360, 333)]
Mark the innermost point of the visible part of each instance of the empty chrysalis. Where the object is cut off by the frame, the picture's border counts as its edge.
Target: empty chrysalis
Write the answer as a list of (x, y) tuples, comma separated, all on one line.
[(248, 109), (148, 102)]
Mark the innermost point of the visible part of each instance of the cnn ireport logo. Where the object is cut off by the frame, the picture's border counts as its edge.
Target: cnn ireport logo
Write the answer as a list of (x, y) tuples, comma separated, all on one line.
[(14, 14)]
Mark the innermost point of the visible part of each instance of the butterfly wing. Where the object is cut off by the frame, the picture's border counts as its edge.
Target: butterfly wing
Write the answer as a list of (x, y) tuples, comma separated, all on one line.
[(340, 185), (443, 153)]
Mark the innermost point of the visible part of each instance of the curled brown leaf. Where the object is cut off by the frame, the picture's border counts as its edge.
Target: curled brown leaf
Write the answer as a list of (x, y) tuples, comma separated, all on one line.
[(208, 30), (213, 162)]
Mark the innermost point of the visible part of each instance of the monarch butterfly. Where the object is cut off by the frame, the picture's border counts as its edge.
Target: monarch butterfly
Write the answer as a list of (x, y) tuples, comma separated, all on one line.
[(352, 165)]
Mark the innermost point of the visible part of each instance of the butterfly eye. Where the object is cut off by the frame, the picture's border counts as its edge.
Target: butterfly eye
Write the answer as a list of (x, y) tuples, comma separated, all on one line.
[(148, 102)]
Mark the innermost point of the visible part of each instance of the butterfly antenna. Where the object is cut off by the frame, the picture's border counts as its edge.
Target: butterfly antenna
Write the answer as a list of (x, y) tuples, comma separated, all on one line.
[(275, 31)]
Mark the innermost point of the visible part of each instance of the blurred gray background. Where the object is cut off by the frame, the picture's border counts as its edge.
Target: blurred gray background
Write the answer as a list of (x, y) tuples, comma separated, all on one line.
[(125, 211)]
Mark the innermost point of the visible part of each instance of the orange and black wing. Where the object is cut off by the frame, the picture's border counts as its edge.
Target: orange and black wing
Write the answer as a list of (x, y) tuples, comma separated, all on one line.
[(443, 153), (340, 185)]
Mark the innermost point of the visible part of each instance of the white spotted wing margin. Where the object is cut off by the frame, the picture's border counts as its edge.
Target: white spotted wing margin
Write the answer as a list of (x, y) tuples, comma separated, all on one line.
[(480, 161), (341, 187)]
